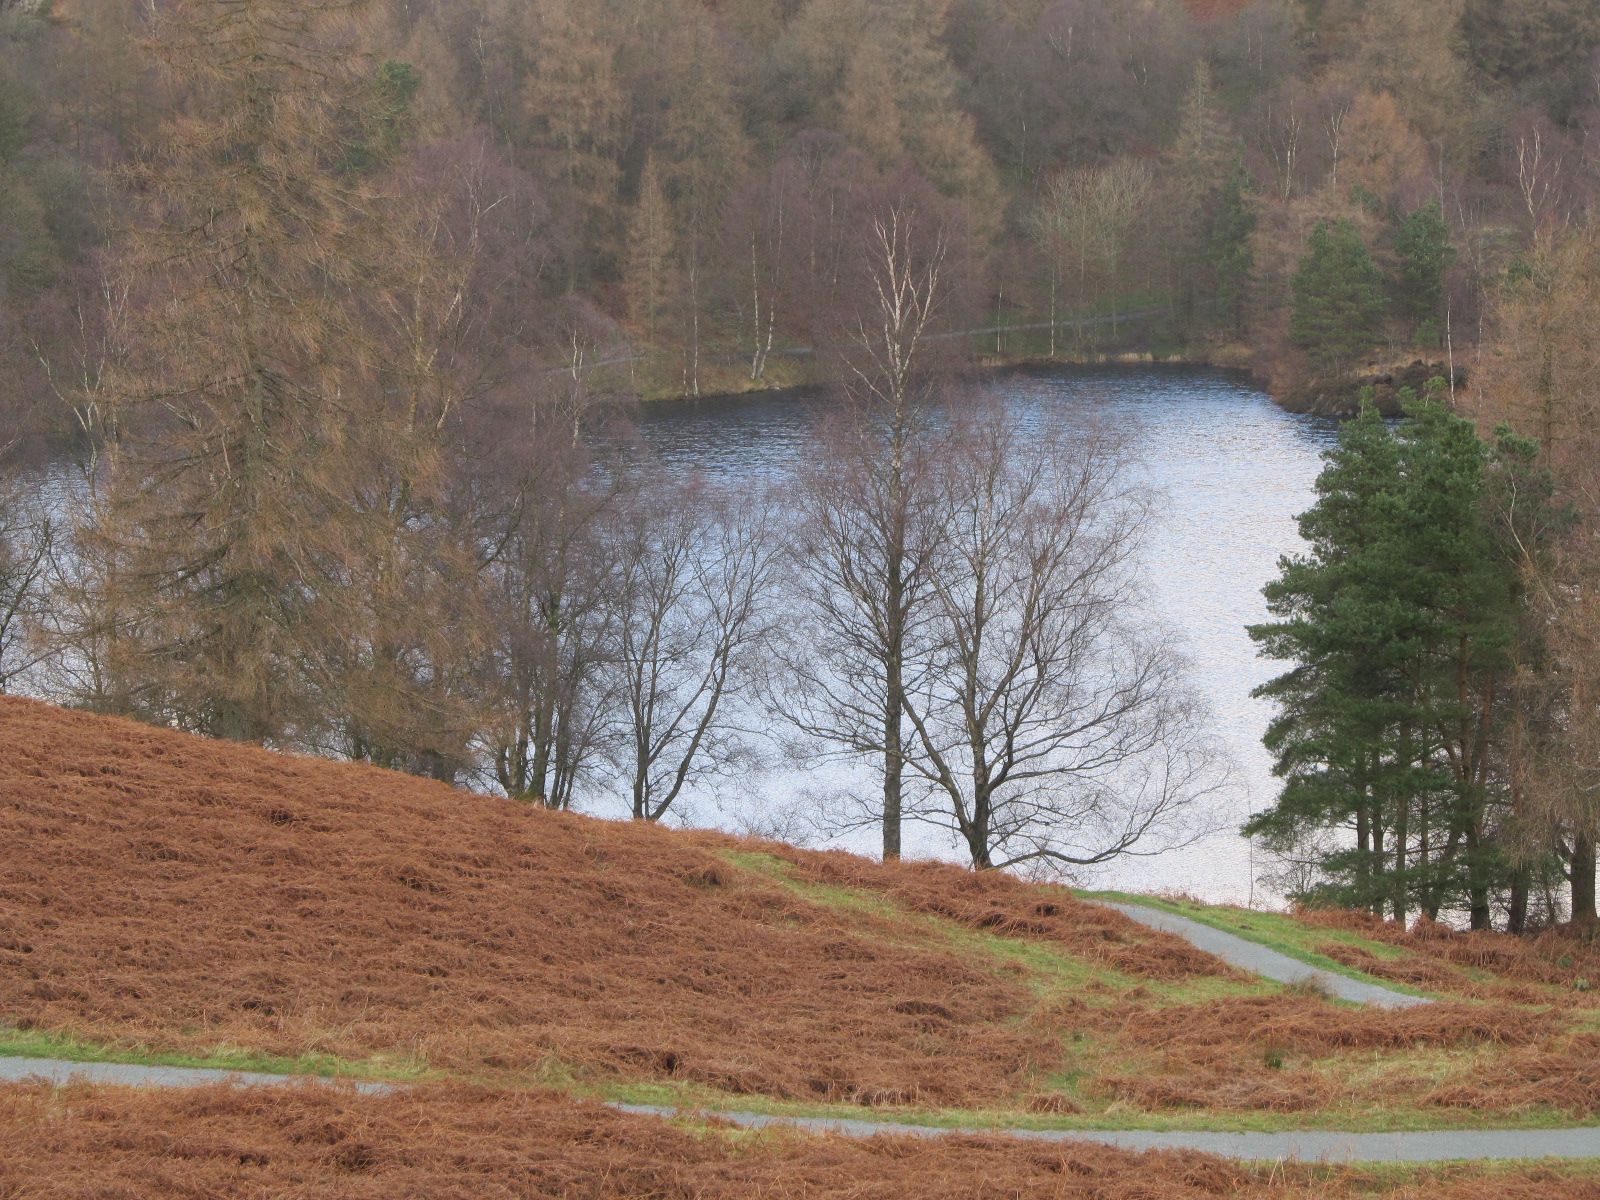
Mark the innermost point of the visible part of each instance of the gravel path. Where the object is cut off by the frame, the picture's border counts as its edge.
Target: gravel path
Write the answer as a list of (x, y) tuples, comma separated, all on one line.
[(1317, 1146), (1256, 958), (59, 1071), (1443, 1146)]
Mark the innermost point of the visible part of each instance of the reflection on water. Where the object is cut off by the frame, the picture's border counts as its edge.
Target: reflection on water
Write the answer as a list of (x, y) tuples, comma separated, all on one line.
[(1233, 470)]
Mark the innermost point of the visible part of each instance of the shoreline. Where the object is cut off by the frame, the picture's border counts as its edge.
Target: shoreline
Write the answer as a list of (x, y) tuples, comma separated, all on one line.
[(991, 366), (1334, 401)]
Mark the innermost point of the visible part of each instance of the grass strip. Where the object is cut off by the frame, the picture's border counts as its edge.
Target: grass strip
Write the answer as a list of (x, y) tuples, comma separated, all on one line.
[(698, 1098)]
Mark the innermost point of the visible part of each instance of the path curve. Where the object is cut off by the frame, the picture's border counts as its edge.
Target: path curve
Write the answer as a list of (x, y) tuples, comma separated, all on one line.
[(1434, 1146), (1261, 960), (1310, 1146)]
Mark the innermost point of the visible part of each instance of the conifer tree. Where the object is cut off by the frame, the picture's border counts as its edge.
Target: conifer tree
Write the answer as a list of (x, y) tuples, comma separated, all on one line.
[(575, 109), (1338, 298), (1540, 376), (274, 417), (1423, 244), (702, 154), (1332, 623), (1233, 220), (1398, 622), (869, 112), (648, 277)]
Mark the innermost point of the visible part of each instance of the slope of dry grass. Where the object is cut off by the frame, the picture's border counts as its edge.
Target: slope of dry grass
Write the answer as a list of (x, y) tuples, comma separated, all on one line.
[(186, 893), (177, 895)]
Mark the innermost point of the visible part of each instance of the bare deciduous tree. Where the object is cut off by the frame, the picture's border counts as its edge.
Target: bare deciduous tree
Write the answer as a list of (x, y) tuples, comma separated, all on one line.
[(1084, 225), (1541, 171), (694, 570), (27, 536), (1048, 726), (863, 541), (547, 583)]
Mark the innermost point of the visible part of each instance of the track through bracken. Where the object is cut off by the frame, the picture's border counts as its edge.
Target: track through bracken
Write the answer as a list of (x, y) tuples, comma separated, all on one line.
[(461, 1142), (999, 903), (1483, 964)]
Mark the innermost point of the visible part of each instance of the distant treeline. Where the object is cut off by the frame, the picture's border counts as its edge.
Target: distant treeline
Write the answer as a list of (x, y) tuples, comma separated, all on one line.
[(676, 184)]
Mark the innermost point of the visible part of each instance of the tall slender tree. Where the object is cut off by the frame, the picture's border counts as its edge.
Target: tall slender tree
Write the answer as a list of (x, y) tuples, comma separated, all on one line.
[(1540, 376), (252, 404), (702, 153), (649, 273), (865, 535), (574, 110)]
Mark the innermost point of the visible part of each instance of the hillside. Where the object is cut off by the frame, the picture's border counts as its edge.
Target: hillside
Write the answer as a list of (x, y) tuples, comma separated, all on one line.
[(187, 894), (170, 898)]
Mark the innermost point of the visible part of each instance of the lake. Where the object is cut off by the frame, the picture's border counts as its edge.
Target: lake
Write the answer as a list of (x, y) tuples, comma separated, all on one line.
[(1233, 470)]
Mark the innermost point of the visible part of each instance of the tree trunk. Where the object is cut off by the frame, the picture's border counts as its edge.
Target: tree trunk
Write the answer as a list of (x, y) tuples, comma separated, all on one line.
[(977, 832), (1402, 812), (1477, 884), (893, 706), (1517, 920), (1054, 273), (1363, 847), (893, 768), (1377, 893), (1583, 880)]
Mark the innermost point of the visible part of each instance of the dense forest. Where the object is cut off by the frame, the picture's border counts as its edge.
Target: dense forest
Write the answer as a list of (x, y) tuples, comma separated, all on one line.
[(334, 304), (671, 186)]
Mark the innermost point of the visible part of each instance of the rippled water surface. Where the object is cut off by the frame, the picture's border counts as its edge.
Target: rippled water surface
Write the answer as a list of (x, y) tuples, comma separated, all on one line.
[(1233, 470)]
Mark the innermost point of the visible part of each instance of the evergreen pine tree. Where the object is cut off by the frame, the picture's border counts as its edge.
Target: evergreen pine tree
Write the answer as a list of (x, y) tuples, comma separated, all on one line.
[(1338, 298), (1336, 625), (1398, 622), (1232, 223), (1423, 244), (1202, 153)]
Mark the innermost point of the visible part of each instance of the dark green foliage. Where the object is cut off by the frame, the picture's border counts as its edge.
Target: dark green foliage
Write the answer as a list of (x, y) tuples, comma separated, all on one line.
[(386, 121), (29, 260), (1232, 223), (1542, 48), (1422, 243), (1398, 622), (14, 118), (1338, 298)]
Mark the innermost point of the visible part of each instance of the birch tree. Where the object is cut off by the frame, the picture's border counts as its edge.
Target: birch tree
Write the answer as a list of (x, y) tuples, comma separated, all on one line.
[(1049, 727), (1084, 225), (695, 569), (547, 583), (864, 537), (27, 537)]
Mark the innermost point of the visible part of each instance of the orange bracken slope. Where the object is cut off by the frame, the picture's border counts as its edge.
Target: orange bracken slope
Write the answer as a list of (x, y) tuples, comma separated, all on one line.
[(186, 893)]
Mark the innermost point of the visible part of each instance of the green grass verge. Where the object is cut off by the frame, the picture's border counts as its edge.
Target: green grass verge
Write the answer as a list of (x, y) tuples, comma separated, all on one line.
[(32, 1043)]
